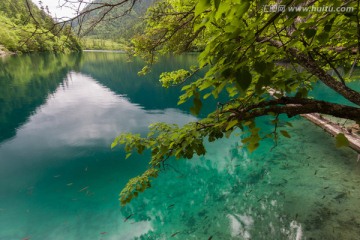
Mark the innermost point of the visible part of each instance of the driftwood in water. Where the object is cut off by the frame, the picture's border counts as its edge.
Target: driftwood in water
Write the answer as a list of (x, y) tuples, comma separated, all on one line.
[(329, 126)]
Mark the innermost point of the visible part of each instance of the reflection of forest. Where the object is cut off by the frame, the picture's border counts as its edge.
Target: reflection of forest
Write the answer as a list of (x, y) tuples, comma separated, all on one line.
[(25, 83), (114, 71)]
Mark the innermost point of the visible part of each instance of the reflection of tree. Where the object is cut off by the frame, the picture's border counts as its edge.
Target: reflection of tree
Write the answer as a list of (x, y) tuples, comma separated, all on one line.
[(26, 82), (215, 193)]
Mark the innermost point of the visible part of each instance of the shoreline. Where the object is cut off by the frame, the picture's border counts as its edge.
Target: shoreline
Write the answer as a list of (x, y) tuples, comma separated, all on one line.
[(102, 50), (329, 126), (4, 52), (334, 129)]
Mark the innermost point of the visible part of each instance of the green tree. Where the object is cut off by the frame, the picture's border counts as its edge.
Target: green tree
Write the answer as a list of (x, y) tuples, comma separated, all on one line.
[(251, 55), (26, 28)]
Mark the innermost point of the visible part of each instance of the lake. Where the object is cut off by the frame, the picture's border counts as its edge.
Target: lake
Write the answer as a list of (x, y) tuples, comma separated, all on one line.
[(59, 179)]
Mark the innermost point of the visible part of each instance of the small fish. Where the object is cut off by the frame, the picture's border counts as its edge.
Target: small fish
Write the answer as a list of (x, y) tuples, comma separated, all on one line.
[(315, 172), (127, 218), (247, 193), (56, 176), (339, 196), (69, 184), (172, 205), (86, 169), (326, 187), (210, 238), (84, 188), (259, 199), (103, 233), (296, 216), (173, 235), (323, 197)]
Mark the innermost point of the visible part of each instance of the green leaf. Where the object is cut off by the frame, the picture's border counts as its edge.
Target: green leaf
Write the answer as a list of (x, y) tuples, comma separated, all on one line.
[(323, 37), (231, 124), (243, 79), (246, 140), (260, 66), (228, 134), (262, 81), (244, 6), (253, 146), (195, 110), (301, 93), (285, 133), (114, 144), (309, 32), (216, 4), (341, 140), (247, 123), (128, 155), (201, 6), (329, 24), (207, 95)]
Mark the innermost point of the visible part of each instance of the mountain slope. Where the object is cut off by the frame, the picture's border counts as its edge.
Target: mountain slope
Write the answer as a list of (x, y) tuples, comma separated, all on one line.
[(115, 26), (21, 31)]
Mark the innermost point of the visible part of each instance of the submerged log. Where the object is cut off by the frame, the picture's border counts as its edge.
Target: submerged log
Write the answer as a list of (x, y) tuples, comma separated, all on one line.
[(334, 129), (328, 126)]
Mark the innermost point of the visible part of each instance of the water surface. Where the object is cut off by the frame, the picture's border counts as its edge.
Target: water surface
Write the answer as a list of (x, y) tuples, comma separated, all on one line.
[(59, 179)]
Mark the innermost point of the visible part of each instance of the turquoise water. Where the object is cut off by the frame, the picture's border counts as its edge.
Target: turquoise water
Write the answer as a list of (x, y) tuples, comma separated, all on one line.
[(59, 179)]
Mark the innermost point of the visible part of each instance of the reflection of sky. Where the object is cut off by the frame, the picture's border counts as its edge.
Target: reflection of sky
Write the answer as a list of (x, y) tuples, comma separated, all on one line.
[(55, 130), (100, 117), (79, 120)]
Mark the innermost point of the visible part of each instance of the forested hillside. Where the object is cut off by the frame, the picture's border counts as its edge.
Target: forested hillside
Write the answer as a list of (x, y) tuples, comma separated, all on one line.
[(117, 27), (22, 30)]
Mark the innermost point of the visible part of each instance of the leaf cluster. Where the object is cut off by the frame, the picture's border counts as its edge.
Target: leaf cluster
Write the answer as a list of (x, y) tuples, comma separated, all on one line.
[(251, 56)]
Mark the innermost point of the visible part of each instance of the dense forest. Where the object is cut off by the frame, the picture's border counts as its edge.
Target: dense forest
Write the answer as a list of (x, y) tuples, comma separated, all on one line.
[(118, 26), (26, 28)]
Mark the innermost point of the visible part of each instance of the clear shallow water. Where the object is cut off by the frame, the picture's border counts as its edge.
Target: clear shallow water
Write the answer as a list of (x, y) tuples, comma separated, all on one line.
[(60, 180)]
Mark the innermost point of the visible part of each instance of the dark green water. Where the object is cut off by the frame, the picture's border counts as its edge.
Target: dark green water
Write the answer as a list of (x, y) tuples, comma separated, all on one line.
[(60, 180)]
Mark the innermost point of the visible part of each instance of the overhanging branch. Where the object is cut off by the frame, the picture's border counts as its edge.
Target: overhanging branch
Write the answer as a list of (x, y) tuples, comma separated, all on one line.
[(296, 106), (312, 67)]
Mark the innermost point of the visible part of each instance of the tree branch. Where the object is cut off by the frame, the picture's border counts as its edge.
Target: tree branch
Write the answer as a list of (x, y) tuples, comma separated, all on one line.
[(312, 67), (295, 106)]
